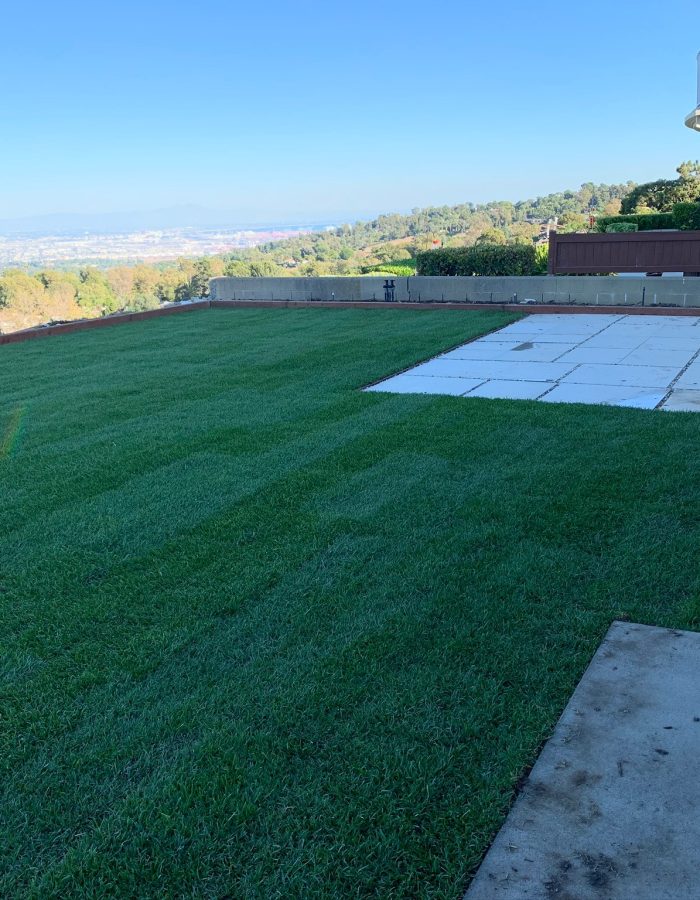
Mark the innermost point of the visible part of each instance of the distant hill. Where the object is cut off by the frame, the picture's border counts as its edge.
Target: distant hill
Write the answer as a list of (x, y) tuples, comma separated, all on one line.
[(387, 243), (394, 237)]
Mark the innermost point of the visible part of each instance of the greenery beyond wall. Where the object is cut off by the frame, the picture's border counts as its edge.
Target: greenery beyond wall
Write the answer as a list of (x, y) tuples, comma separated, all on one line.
[(482, 259), (687, 216), (683, 216), (643, 221), (493, 238), (56, 295), (664, 194)]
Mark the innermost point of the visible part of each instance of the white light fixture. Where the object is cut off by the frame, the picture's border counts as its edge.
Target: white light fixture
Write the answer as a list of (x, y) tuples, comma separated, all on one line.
[(693, 120)]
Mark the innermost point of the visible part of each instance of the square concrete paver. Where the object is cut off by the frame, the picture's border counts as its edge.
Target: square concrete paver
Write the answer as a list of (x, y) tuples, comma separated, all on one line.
[(682, 401), (691, 377), (670, 343), (595, 355), (568, 323), (618, 339), (484, 368), (510, 390), (610, 808), (615, 395), (621, 374), (643, 361), (645, 356), (541, 337), (419, 384), (532, 351)]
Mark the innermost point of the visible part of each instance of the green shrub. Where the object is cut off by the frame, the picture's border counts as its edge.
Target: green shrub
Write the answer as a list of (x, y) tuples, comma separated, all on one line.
[(687, 216), (541, 258), (643, 221), (622, 227), (484, 259), (402, 269)]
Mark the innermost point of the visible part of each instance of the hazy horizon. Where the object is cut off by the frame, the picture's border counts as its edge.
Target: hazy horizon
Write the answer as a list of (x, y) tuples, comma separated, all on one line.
[(187, 216)]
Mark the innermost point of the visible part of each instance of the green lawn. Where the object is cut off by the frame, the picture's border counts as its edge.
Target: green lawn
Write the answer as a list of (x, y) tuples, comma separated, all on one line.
[(264, 635)]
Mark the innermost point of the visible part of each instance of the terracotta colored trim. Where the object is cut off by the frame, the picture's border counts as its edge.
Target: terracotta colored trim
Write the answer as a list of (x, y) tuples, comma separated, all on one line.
[(29, 334), (524, 308)]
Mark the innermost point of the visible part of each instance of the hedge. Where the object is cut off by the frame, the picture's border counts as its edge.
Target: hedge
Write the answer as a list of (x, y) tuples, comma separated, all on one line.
[(484, 259), (687, 216), (643, 221), (622, 228), (403, 268)]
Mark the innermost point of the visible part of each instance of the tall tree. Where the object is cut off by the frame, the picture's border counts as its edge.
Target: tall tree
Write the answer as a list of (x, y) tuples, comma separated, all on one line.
[(662, 195)]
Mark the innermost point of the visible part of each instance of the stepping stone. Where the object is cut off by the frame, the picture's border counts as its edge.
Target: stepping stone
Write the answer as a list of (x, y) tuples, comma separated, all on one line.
[(611, 809)]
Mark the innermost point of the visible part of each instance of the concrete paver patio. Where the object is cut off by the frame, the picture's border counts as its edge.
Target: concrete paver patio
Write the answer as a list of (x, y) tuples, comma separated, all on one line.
[(640, 361)]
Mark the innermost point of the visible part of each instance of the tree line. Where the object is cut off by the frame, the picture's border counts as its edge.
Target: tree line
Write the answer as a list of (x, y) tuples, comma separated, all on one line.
[(394, 241), (27, 299), (354, 248)]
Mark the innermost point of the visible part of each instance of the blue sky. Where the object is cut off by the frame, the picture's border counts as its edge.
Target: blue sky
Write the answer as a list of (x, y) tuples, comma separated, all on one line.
[(283, 111)]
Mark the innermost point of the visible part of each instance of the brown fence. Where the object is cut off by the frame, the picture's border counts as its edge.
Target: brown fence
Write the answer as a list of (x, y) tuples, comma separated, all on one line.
[(639, 251)]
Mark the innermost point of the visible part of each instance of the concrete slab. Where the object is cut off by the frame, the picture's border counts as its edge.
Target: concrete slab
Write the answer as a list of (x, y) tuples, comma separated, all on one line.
[(510, 390), (690, 378), (645, 322), (662, 342), (679, 321), (644, 356), (605, 355), (635, 376), (483, 369), (534, 351), (682, 401), (419, 384), (611, 395), (616, 340), (573, 324), (517, 337), (624, 360), (610, 809), (481, 346)]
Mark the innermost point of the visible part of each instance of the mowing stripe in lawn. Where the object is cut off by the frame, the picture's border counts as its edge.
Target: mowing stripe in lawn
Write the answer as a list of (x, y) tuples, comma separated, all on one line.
[(265, 634)]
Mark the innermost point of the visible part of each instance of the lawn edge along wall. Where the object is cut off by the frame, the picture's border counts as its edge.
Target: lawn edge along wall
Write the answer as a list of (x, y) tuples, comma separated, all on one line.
[(589, 290), (652, 298)]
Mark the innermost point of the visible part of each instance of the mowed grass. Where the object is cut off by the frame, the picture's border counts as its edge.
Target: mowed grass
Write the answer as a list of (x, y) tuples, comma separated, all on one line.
[(265, 635)]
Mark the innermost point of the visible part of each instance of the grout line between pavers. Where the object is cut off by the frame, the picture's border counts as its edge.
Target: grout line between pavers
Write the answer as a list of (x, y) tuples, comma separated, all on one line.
[(481, 384), (595, 334), (558, 382), (666, 396), (407, 370), (672, 385)]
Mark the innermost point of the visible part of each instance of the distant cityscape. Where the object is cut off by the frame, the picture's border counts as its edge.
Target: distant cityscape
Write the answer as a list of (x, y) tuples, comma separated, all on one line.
[(31, 251)]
